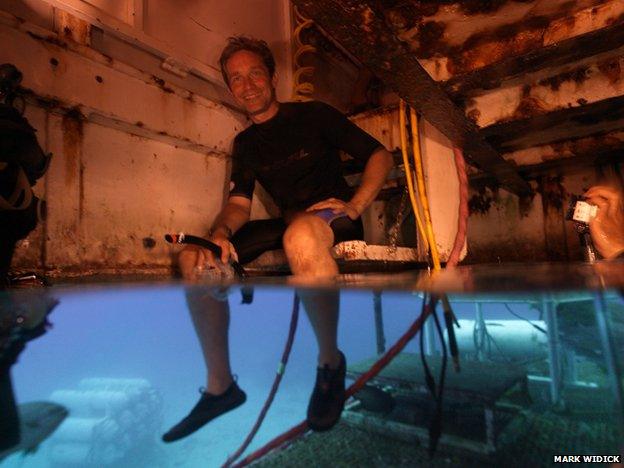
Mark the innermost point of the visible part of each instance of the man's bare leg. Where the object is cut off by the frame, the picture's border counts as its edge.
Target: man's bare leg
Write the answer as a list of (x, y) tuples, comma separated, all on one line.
[(307, 243), (211, 318)]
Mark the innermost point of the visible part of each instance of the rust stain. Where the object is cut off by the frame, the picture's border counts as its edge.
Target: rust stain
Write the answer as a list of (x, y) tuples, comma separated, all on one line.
[(481, 202), (492, 46), (161, 84), (515, 249), (554, 199), (471, 7), (578, 75), (525, 203), (554, 194), (474, 115), (407, 15), (43, 102), (74, 28), (614, 20), (73, 133), (528, 106), (430, 38), (611, 69), (367, 19), (398, 20), (81, 188), (584, 146), (565, 24), (48, 39)]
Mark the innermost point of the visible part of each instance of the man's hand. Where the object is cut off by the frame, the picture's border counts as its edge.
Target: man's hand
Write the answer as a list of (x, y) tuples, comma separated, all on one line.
[(338, 206), (607, 228), (193, 259)]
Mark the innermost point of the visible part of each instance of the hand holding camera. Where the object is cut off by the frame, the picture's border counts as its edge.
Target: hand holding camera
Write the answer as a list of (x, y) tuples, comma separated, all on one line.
[(607, 226)]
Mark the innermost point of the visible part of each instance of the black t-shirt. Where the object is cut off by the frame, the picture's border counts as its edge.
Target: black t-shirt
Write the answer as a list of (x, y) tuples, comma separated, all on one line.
[(295, 155)]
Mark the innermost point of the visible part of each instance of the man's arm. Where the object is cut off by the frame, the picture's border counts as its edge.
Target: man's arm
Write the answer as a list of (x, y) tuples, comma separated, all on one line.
[(374, 177), (231, 218)]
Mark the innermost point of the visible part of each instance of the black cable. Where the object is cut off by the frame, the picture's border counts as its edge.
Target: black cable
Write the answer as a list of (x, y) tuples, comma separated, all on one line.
[(537, 327), (491, 338), (429, 380), (435, 429), (450, 320)]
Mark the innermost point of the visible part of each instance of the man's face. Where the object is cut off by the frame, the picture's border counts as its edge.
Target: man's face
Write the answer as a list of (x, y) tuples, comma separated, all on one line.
[(250, 83)]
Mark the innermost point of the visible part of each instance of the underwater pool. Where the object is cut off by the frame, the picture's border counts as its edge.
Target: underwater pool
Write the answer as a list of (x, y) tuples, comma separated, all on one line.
[(541, 373)]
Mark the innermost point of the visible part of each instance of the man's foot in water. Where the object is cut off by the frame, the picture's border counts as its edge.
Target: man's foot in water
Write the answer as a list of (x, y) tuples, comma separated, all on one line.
[(327, 400), (207, 408)]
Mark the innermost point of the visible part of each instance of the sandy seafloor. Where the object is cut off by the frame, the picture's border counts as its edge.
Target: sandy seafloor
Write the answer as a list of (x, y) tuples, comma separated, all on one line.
[(146, 333)]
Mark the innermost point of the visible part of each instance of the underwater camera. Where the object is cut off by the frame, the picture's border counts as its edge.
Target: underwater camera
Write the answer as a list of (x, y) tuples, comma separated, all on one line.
[(581, 213)]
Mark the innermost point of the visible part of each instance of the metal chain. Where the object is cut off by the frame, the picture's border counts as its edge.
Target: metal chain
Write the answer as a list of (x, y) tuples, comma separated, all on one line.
[(393, 233)]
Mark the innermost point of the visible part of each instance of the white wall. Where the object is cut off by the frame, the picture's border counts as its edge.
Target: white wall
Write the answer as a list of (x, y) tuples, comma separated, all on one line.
[(192, 32), (134, 157), (208, 24)]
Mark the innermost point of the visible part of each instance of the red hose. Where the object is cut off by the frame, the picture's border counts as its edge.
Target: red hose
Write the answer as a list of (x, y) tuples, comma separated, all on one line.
[(298, 430), (276, 382), (462, 222)]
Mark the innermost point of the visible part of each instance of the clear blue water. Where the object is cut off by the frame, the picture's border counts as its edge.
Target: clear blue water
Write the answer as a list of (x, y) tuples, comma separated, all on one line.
[(146, 333)]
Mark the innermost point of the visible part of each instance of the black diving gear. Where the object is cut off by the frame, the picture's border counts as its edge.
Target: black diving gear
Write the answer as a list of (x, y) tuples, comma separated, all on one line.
[(328, 398), (207, 408), (22, 162)]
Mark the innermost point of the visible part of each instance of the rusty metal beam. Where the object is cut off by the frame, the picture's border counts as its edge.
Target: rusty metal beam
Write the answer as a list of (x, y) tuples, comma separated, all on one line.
[(362, 31), (561, 53), (559, 166), (600, 117)]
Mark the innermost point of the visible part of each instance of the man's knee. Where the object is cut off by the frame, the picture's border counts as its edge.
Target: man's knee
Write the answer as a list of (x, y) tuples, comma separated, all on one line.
[(307, 232)]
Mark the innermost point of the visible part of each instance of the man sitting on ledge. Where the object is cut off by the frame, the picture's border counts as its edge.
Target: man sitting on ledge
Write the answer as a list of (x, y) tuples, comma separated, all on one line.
[(292, 150)]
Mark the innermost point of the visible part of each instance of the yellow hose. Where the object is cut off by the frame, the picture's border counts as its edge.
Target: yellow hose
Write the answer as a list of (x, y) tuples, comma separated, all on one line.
[(408, 173), (302, 91), (300, 51), (422, 192)]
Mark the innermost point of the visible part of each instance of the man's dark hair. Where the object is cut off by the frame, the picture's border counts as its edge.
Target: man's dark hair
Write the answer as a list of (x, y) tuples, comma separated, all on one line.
[(257, 46)]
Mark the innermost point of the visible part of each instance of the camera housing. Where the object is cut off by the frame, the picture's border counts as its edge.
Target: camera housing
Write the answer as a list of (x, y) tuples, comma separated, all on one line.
[(580, 211)]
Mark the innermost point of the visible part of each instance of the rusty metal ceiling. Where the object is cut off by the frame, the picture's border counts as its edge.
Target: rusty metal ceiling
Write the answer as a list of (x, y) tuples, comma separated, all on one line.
[(513, 82)]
